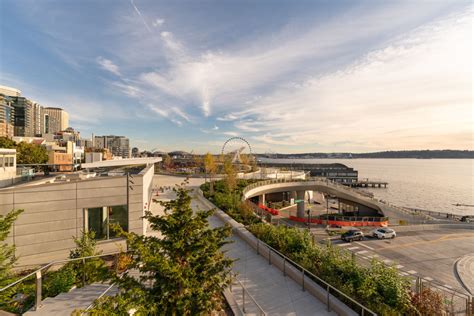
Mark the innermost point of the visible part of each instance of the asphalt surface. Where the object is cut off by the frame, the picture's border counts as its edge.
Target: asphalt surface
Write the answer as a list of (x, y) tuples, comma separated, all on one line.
[(429, 254)]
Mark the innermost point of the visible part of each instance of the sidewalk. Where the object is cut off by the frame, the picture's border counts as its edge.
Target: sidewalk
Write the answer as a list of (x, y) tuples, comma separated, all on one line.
[(275, 293)]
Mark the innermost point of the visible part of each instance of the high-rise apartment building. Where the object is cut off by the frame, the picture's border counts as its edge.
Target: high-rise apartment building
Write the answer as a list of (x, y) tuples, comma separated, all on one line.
[(6, 116), (118, 145), (10, 92), (54, 120), (24, 117)]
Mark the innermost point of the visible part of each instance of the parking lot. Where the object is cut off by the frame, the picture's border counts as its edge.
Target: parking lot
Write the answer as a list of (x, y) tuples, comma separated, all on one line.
[(428, 254)]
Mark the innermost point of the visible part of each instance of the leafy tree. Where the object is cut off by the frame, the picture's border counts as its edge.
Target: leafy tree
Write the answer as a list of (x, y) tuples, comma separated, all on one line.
[(7, 255), (167, 161), (93, 269), (7, 252), (230, 175), (181, 273), (6, 142), (210, 167), (31, 153)]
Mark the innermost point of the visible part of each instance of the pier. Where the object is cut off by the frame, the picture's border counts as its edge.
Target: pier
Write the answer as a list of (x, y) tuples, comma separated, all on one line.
[(369, 184)]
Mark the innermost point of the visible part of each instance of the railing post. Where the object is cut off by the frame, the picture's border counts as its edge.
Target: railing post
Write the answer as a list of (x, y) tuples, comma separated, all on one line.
[(269, 256), (116, 264), (284, 266), (302, 277), (328, 303), (258, 242), (83, 272), (243, 299), (38, 283)]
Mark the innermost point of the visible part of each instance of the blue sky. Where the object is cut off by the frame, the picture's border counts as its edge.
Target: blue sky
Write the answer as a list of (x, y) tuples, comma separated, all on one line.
[(289, 76)]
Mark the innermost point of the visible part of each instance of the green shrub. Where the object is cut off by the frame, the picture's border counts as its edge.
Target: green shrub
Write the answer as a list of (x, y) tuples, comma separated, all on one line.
[(378, 286), (60, 281)]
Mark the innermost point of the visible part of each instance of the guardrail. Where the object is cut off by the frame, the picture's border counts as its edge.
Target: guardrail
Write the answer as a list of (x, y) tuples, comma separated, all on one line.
[(340, 187), (287, 262), (245, 294), (39, 277), (306, 273)]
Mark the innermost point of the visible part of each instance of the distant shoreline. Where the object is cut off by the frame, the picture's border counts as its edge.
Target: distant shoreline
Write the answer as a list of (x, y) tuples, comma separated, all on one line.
[(406, 154)]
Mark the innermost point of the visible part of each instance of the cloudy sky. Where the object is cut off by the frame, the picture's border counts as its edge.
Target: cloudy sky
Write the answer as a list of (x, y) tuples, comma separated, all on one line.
[(289, 76)]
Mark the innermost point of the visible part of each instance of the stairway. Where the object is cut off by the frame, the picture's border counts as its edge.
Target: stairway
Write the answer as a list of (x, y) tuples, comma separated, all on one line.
[(78, 298)]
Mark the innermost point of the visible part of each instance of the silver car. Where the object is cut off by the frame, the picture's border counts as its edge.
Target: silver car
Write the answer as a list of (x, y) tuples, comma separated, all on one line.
[(384, 233)]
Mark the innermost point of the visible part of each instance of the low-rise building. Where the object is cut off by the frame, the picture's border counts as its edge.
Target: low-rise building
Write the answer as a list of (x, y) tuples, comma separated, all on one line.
[(58, 209), (62, 161), (7, 167)]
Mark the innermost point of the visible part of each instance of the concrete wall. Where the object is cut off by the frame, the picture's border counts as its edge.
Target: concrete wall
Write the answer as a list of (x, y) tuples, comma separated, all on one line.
[(54, 213)]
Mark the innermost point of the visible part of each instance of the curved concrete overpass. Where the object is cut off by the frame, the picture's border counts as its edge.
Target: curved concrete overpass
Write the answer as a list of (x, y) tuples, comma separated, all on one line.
[(322, 185)]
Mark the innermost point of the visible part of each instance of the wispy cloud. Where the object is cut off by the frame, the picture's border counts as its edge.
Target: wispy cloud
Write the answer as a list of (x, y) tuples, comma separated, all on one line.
[(108, 65), (158, 22)]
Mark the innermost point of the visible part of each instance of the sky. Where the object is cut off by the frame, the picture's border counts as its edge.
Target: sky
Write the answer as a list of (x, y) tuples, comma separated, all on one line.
[(288, 76)]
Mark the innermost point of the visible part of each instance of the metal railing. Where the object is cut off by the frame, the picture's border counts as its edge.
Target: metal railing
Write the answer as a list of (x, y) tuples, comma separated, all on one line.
[(327, 287), (245, 294), (39, 275), (345, 189)]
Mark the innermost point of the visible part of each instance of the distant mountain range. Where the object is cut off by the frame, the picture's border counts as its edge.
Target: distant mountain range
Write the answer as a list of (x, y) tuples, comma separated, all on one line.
[(418, 154)]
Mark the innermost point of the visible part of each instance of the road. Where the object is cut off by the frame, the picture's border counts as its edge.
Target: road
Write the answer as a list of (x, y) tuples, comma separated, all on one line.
[(428, 254)]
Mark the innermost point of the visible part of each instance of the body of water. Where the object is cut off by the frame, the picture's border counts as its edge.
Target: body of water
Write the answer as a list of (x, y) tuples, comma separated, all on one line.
[(429, 184)]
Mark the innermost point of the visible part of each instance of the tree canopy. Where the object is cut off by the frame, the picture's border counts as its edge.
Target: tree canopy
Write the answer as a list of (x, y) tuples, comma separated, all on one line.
[(31, 154), (183, 272), (26, 153)]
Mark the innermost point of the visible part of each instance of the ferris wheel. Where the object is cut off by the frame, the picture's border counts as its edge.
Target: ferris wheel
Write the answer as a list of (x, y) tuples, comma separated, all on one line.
[(235, 147)]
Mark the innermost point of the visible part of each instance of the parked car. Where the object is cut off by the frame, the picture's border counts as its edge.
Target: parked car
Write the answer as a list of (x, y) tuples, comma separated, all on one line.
[(467, 219), (352, 235), (384, 233)]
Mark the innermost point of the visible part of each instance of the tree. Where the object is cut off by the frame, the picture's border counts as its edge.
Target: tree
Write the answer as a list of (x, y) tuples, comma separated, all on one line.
[(183, 272), (7, 143), (167, 161), (230, 175), (31, 154), (93, 269), (7, 257), (210, 167), (7, 252)]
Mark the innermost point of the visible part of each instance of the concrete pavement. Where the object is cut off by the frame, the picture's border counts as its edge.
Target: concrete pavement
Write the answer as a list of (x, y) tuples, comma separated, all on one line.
[(465, 271), (275, 293)]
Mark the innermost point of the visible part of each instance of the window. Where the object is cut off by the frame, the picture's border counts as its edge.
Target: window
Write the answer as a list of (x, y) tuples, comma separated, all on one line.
[(1, 161), (100, 219)]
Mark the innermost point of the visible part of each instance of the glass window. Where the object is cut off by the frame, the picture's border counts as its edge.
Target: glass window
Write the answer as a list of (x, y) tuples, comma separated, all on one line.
[(1, 161), (100, 219), (10, 161), (97, 222), (118, 215)]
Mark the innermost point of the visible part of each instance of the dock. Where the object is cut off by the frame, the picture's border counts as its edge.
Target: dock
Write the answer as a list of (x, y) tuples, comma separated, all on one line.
[(369, 184)]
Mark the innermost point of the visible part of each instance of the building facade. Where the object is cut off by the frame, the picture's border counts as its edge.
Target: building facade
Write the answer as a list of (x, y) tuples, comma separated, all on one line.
[(56, 212), (6, 117), (7, 167), (54, 120), (10, 92), (118, 145)]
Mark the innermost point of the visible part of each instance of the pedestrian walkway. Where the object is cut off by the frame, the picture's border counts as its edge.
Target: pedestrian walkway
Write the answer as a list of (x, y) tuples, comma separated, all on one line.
[(275, 293), (465, 271), (76, 299)]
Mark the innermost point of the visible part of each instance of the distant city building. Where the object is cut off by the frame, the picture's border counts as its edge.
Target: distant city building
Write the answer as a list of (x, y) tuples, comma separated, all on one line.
[(9, 92), (54, 120), (118, 145), (6, 117)]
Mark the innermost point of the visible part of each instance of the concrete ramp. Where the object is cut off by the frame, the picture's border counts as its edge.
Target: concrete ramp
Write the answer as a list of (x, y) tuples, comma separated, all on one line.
[(66, 303)]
